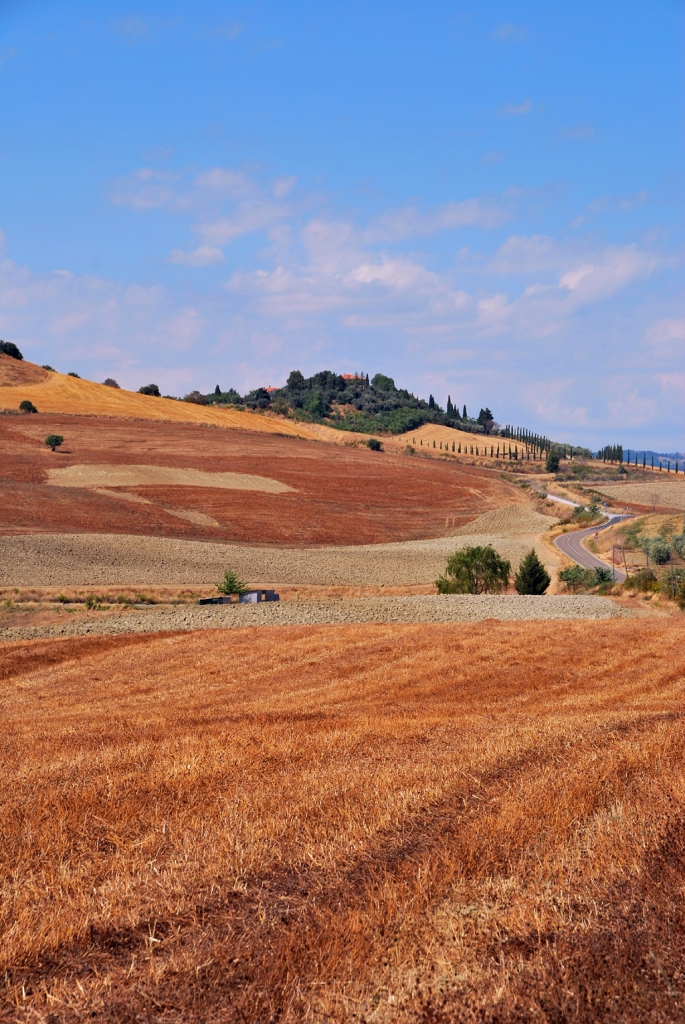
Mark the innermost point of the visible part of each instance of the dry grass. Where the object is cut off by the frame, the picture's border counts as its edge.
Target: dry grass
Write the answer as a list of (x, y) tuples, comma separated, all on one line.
[(59, 393), (375, 823)]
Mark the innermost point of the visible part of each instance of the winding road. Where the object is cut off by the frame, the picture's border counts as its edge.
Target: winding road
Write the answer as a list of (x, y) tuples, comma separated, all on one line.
[(572, 545)]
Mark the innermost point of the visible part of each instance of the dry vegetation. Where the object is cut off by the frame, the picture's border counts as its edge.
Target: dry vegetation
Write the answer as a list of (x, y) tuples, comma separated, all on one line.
[(59, 393), (332, 824)]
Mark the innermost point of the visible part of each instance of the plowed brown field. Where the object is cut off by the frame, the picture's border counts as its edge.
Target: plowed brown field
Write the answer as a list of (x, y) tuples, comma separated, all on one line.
[(387, 823), (339, 495)]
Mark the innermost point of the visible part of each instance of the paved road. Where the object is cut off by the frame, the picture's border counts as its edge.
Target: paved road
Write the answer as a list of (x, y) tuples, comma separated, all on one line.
[(571, 545)]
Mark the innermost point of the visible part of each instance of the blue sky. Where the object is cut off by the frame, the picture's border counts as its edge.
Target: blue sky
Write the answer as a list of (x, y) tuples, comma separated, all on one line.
[(484, 200)]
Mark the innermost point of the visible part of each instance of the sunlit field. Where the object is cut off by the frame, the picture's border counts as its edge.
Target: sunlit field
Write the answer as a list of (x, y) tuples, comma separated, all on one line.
[(381, 823)]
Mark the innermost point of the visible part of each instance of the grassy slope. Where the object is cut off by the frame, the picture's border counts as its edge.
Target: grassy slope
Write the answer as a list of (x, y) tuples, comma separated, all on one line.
[(305, 824), (59, 393)]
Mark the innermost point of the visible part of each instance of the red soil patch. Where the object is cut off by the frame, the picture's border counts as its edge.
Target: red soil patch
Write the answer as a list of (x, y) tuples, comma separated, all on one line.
[(342, 495)]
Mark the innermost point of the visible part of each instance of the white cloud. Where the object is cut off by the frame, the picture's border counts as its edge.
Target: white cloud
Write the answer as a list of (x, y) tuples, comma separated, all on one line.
[(506, 32), (203, 256), (410, 222), (667, 337), (516, 109), (283, 186), (226, 180)]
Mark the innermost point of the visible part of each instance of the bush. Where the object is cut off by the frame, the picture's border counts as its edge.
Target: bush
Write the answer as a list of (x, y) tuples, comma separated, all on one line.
[(374, 444), (46, 366), (679, 545), (680, 596), (150, 389), (552, 461), (658, 550), (644, 580), (110, 383), (475, 570), (577, 578), (196, 397), (54, 441), (27, 406), (10, 349), (231, 584), (532, 577), (72, 374)]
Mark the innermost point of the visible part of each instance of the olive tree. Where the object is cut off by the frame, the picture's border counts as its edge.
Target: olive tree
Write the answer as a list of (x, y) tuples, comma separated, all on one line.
[(475, 570)]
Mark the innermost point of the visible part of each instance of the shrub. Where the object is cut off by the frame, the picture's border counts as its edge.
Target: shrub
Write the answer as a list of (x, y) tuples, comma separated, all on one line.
[(110, 383), (196, 398), (552, 461), (54, 441), (475, 570), (658, 550), (680, 596), (27, 406), (46, 366), (72, 374), (10, 349), (532, 577), (231, 584), (644, 580), (679, 545), (374, 444), (575, 577), (150, 389)]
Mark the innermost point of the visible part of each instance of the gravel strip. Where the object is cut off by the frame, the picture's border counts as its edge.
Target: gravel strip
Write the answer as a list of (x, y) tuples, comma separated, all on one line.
[(423, 608), (91, 560)]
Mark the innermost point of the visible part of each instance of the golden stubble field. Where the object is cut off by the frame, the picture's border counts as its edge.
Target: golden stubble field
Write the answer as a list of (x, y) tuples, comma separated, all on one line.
[(370, 823)]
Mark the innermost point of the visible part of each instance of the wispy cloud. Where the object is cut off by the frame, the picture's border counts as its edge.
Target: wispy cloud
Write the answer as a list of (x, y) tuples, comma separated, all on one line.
[(516, 109), (578, 132), (507, 32), (203, 256)]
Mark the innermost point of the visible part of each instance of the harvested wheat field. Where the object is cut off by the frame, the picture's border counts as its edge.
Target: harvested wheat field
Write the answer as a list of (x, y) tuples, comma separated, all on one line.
[(128, 477), (54, 392), (512, 519), (372, 823), (664, 491)]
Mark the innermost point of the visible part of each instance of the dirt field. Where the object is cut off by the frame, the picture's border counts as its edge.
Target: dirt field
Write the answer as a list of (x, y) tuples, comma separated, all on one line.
[(339, 495), (511, 519), (664, 491), (372, 823), (68, 560)]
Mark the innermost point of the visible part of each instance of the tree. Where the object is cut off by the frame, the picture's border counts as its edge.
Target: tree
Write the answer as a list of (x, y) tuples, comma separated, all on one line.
[(46, 366), (295, 381), (27, 406), (150, 389), (10, 349), (374, 444), (110, 383), (552, 461), (475, 570), (486, 419), (54, 441), (73, 374), (196, 397), (463, 415), (217, 390), (382, 383), (532, 577), (231, 584)]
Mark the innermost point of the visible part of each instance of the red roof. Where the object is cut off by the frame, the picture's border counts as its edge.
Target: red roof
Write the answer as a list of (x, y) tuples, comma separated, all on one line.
[(269, 390), (351, 376)]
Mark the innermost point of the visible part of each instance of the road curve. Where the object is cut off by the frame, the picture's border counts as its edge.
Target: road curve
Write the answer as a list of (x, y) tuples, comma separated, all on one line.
[(572, 546)]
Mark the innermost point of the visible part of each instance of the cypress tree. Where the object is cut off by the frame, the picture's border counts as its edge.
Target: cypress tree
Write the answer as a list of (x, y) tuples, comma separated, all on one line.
[(532, 577), (464, 415)]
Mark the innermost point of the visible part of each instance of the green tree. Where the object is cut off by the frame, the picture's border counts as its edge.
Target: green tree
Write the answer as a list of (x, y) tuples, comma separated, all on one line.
[(8, 348), (382, 383), (231, 584), (149, 389), (374, 444), (532, 577), (27, 406), (110, 383), (54, 441), (475, 570), (552, 461)]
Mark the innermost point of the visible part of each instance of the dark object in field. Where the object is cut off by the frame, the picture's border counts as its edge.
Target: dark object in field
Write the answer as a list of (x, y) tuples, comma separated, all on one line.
[(248, 597), (110, 382), (10, 349), (150, 389), (475, 570), (72, 374), (54, 441), (374, 444), (532, 577), (46, 366), (27, 406), (552, 461)]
